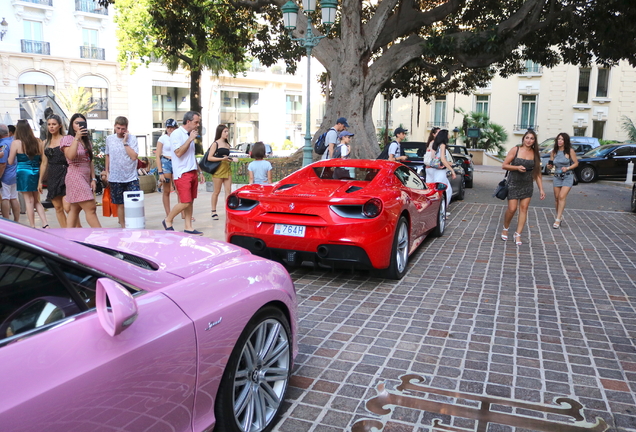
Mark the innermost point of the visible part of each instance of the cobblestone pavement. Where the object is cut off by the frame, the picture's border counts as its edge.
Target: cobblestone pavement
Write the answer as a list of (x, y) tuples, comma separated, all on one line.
[(553, 318)]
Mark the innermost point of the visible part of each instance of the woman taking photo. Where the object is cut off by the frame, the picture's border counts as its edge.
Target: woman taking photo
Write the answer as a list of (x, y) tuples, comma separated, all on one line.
[(80, 175), (54, 168), (563, 159), (524, 164), (28, 150), (220, 151), (438, 175)]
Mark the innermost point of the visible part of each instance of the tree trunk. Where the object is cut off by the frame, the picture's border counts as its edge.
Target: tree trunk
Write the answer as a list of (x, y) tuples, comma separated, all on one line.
[(195, 90)]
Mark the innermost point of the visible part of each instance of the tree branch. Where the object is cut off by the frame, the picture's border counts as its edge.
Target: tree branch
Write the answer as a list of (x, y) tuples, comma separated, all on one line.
[(402, 24)]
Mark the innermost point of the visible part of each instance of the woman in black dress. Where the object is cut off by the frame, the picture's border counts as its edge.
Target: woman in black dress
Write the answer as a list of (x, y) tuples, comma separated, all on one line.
[(54, 165), (524, 164)]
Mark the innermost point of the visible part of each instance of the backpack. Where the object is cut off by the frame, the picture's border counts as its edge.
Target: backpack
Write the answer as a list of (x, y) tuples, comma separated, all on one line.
[(385, 152), (320, 146)]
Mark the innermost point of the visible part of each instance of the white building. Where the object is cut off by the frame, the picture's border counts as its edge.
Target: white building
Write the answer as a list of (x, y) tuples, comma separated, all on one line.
[(588, 101), (53, 45)]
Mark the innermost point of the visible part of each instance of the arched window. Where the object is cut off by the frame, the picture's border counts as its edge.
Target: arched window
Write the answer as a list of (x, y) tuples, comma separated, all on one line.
[(98, 88), (35, 84)]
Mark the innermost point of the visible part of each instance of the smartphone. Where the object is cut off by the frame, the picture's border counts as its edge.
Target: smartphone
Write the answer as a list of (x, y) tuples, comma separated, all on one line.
[(528, 169), (83, 125)]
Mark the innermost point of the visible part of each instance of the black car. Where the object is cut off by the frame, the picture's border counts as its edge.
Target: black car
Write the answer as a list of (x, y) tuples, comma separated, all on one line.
[(460, 154), (634, 198), (415, 150), (581, 145), (606, 161)]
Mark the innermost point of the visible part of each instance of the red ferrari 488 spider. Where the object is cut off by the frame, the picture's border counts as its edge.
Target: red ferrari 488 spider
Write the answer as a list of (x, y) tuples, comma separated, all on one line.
[(368, 214)]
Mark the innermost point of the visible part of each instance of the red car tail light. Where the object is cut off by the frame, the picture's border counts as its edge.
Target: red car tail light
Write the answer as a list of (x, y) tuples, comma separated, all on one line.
[(372, 208), (233, 202)]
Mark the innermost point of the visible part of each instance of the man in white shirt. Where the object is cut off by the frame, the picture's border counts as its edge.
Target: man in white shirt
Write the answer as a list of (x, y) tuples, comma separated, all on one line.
[(395, 150), (121, 165), (185, 171)]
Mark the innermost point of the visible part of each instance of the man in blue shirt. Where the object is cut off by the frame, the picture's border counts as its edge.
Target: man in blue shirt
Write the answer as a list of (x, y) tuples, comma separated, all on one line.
[(8, 173)]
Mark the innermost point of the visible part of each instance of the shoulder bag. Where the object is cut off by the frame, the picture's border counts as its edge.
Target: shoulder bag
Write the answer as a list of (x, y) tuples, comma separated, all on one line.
[(209, 166), (436, 160), (501, 191)]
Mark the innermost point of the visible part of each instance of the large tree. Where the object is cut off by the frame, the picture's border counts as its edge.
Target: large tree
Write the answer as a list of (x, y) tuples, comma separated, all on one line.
[(192, 34), (429, 47)]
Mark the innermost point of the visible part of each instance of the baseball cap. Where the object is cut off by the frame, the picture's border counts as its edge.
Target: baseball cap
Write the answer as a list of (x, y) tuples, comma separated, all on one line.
[(400, 130), (171, 123), (344, 134), (343, 121)]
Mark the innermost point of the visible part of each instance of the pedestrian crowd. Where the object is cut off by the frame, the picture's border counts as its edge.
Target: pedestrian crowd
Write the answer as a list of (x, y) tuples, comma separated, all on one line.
[(64, 164)]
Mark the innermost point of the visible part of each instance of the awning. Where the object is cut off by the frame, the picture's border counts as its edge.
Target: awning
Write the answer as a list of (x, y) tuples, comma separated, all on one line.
[(36, 78), (179, 84), (92, 81), (100, 125)]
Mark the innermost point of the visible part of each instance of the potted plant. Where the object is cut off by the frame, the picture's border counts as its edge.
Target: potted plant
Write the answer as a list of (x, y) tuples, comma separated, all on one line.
[(209, 186)]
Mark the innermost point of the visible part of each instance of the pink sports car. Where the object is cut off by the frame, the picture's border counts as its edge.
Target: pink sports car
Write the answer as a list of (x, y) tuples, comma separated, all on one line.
[(134, 330)]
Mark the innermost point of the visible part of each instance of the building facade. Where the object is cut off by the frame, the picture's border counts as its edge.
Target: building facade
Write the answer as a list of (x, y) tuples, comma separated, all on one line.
[(53, 46), (581, 101)]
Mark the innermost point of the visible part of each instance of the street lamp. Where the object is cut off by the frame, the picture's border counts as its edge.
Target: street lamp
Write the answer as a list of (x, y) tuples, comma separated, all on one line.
[(290, 15), (4, 26), (455, 132)]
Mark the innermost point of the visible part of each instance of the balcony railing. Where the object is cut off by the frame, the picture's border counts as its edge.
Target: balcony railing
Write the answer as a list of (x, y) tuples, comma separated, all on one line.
[(41, 2), (520, 127), (35, 47), (441, 125), (90, 6), (382, 123), (88, 52)]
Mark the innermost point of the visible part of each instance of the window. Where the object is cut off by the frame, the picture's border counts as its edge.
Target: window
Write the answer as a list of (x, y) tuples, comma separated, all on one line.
[(528, 112), (294, 104), (409, 178), (602, 82), (579, 131), (481, 104), (36, 291), (584, 85), (439, 119), (623, 151), (90, 37), (33, 30), (532, 67), (597, 129)]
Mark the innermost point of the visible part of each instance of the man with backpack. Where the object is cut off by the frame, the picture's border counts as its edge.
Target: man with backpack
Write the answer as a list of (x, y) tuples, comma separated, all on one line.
[(393, 150), (331, 138)]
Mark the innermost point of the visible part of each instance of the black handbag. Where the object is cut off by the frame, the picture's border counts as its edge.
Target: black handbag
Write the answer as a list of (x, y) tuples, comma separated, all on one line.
[(501, 191), (209, 166)]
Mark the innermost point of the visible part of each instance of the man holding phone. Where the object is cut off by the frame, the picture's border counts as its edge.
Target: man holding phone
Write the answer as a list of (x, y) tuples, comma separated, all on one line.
[(121, 165)]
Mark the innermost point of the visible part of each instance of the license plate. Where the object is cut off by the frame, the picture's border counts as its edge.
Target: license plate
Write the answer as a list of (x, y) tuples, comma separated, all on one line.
[(289, 230)]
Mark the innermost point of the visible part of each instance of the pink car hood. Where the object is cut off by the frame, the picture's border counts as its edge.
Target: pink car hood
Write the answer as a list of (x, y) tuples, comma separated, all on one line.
[(175, 253)]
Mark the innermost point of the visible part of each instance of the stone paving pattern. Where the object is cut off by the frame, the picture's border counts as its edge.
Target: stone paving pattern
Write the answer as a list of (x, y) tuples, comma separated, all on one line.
[(552, 318)]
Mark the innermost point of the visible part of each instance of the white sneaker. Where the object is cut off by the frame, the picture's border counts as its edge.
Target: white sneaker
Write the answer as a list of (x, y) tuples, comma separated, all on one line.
[(448, 214)]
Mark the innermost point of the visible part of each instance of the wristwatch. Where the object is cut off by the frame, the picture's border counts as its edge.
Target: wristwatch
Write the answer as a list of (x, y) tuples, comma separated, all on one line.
[(126, 145)]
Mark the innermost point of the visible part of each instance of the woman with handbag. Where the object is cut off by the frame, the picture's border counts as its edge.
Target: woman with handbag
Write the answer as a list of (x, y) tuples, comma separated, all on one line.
[(436, 170), (220, 152), (521, 163), (563, 159)]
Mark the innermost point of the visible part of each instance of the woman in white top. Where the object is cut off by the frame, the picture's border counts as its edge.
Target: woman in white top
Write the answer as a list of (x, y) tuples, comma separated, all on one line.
[(164, 162), (438, 175)]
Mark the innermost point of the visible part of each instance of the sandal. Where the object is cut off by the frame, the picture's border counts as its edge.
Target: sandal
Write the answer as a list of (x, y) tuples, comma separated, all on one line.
[(517, 237), (45, 226), (556, 224), (214, 215), (504, 237)]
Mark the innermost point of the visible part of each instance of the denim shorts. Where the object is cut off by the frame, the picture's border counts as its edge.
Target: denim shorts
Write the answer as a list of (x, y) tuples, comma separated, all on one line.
[(117, 190), (166, 165), (563, 180)]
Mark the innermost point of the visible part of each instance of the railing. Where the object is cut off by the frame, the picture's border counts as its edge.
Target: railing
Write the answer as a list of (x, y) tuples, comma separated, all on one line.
[(441, 125), (519, 127), (35, 47), (534, 69), (41, 2), (382, 123), (90, 6), (89, 52)]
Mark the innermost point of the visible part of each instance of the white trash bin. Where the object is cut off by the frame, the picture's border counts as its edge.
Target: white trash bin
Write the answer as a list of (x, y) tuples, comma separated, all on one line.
[(134, 210)]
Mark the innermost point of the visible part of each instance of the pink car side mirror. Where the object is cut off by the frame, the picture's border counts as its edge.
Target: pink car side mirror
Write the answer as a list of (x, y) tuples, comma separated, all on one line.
[(123, 307)]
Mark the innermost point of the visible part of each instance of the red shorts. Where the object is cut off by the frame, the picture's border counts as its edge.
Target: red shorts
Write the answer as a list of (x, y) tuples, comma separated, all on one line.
[(187, 186)]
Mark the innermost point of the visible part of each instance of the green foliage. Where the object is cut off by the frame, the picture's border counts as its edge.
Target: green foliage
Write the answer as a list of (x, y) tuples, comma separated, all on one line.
[(492, 137), (74, 100), (99, 148), (628, 126)]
